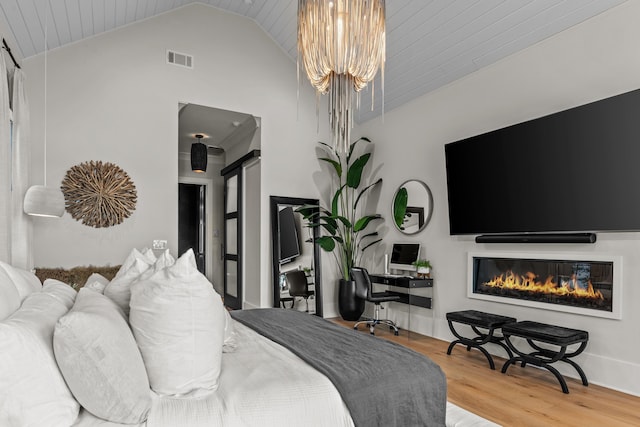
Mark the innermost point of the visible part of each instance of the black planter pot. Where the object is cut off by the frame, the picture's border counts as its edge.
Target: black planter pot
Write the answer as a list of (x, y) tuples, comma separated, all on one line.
[(350, 307)]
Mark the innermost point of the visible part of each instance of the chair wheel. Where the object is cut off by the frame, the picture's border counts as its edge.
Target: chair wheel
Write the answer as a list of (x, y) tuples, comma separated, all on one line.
[(355, 328), (395, 333)]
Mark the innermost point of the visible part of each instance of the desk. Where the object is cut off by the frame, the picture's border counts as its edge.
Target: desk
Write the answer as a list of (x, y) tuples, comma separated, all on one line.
[(405, 282)]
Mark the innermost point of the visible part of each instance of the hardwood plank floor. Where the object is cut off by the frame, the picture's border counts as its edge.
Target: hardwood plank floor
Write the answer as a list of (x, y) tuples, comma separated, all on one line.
[(521, 397)]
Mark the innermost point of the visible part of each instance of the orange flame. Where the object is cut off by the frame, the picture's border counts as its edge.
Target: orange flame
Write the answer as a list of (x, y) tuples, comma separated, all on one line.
[(529, 283)]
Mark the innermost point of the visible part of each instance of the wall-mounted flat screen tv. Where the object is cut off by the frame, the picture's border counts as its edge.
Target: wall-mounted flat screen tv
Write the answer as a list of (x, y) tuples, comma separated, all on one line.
[(573, 171), (288, 235)]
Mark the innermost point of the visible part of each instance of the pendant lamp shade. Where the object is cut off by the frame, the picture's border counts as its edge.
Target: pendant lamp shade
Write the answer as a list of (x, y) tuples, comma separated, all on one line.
[(40, 200), (198, 156), (43, 201)]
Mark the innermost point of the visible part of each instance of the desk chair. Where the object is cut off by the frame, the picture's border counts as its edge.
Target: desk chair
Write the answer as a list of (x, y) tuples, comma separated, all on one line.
[(298, 285), (364, 287)]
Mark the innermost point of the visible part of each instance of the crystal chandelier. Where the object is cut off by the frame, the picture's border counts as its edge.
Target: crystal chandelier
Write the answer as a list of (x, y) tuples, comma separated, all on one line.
[(341, 44)]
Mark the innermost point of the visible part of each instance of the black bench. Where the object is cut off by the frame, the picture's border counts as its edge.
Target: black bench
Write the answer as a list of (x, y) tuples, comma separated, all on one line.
[(533, 333), (479, 319)]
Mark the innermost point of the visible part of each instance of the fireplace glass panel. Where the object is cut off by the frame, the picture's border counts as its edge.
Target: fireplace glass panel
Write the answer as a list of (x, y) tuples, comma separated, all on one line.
[(584, 284)]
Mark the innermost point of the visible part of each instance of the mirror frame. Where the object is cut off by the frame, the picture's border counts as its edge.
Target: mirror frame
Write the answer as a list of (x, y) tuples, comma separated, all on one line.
[(428, 211), (275, 202)]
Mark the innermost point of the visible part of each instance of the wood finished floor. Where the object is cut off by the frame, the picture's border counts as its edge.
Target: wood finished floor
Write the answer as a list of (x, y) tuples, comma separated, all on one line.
[(521, 397)]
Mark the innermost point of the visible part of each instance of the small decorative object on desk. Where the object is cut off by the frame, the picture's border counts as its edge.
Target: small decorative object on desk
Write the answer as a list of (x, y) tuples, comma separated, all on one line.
[(423, 268)]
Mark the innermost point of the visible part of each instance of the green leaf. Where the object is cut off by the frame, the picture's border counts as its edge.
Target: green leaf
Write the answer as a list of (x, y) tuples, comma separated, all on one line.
[(354, 174), (308, 211), (353, 146), (362, 223), (335, 203), (345, 222), (329, 220), (400, 206), (330, 228), (336, 165), (327, 243)]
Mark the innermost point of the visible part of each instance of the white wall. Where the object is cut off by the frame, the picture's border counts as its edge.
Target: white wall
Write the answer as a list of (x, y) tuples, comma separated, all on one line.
[(593, 60), (253, 289), (114, 98)]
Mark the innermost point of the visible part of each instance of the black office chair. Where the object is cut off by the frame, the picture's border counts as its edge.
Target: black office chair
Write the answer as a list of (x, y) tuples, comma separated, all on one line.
[(364, 289), (298, 285)]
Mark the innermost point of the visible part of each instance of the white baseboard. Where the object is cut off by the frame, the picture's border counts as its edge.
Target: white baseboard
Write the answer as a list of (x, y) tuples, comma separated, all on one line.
[(330, 310), (248, 306)]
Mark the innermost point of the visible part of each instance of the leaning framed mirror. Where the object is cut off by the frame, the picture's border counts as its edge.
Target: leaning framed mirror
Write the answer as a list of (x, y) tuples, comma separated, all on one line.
[(294, 249), (412, 206)]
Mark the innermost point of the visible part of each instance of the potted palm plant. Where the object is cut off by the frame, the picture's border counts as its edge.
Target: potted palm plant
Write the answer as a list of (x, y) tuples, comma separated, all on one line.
[(346, 231)]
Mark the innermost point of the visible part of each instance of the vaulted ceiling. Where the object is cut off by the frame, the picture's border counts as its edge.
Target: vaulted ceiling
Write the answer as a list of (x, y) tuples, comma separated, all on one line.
[(429, 42)]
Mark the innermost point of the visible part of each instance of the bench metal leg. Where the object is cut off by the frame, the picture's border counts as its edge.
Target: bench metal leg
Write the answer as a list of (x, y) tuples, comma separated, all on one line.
[(537, 362), (476, 342), (543, 358)]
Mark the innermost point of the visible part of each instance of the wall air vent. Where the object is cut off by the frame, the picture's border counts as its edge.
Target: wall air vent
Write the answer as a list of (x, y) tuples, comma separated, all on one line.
[(181, 59)]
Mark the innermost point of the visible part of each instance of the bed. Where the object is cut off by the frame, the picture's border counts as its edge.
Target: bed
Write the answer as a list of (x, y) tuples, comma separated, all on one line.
[(285, 368)]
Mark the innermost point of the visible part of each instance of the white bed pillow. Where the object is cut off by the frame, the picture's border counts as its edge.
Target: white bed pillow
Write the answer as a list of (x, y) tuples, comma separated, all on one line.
[(177, 320), (32, 390), (163, 261), (25, 281), (145, 254), (100, 360), (96, 282), (119, 289), (9, 296)]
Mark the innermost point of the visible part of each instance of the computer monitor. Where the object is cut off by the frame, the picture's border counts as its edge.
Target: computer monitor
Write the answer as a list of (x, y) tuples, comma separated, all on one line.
[(403, 255)]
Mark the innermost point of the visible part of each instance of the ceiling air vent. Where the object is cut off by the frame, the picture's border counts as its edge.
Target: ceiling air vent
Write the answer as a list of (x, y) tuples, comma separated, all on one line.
[(178, 58)]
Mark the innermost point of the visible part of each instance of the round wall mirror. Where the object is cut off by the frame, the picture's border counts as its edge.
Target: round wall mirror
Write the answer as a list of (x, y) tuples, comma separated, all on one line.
[(412, 206)]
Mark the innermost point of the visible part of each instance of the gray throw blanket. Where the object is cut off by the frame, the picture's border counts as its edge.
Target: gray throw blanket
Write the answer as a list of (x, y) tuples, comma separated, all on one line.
[(381, 382)]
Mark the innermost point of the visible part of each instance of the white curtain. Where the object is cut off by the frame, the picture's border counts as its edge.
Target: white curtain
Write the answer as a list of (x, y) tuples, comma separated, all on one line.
[(5, 165), (21, 253)]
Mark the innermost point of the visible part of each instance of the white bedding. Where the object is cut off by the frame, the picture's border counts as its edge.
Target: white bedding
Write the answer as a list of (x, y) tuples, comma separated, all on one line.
[(261, 384)]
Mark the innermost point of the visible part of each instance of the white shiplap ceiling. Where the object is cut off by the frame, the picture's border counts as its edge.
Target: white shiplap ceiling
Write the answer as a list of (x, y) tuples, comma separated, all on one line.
[(429, 42)]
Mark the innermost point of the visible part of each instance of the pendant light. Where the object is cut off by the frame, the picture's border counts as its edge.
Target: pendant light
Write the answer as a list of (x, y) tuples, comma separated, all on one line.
[(40, 200), (199, 155), (341, 46)]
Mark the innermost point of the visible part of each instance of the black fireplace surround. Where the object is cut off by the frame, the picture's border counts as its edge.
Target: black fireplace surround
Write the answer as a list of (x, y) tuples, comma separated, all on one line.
[(583, 284)]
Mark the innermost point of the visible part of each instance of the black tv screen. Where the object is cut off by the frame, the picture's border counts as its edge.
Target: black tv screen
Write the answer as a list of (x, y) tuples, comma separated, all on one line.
[(288, 235), (573, 171)]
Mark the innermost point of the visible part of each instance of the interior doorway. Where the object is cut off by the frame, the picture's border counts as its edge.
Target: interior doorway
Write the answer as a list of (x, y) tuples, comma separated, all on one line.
[(228, 136), (192, 222)]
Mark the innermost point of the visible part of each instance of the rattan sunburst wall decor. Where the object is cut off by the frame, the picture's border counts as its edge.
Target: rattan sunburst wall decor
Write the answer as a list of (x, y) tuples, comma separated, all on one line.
[(98, 194)]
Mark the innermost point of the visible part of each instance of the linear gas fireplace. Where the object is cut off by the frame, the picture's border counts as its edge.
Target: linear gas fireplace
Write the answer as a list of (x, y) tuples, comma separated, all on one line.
[(583, 284)]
